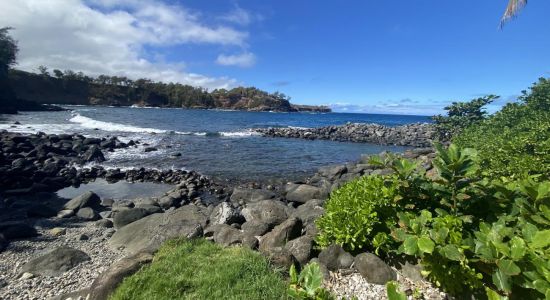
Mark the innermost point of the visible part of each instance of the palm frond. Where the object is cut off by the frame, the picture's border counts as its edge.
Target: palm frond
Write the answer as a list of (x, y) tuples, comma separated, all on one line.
[(513, 8)]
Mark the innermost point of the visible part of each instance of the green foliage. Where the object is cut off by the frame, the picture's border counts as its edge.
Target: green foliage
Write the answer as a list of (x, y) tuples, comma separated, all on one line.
[(515, 141), (8, 50), (359, 210), (199, 269), (307, 284), (393, 292), (461, 115)]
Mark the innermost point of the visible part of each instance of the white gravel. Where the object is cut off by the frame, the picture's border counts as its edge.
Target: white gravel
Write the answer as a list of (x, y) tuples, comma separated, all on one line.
[(40, 287), (346, 286)]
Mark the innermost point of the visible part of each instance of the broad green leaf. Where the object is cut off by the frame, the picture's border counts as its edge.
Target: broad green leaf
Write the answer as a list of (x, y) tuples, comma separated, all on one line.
[(541, 285), (502, 281), (508, 267), (410, 245), (392, 290), (425, 245), (451, 252), (517, 248), (541, 239)]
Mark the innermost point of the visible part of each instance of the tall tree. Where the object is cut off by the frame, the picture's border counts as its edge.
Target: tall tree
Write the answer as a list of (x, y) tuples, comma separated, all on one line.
[(513, 8), (8, 50)]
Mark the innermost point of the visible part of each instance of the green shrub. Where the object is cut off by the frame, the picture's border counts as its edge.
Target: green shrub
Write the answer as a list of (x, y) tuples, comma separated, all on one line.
[(461, 115), (199, 269), (357, 211), (516, 140)]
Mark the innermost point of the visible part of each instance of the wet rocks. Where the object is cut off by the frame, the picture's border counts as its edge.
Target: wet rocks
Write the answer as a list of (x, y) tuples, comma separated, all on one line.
[(128, 216), (416, 135)]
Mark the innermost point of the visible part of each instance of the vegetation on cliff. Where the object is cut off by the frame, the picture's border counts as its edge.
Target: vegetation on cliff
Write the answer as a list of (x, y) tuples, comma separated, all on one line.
[(69, 87)]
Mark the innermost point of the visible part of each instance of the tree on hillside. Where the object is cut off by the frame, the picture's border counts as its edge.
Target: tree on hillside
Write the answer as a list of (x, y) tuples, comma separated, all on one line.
[(8, 50), (513, 8)]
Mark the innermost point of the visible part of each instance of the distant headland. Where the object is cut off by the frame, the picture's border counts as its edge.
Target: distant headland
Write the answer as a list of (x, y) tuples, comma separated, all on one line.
[(69, 87)]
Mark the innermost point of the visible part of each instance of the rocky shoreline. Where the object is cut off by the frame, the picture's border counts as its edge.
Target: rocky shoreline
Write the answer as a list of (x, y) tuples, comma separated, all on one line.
[(414, 135), (86, 246)]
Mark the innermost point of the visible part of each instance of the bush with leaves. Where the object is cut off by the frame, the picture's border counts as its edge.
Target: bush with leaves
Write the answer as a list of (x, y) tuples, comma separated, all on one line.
[(515, 141), (461, 115), (357, 211)]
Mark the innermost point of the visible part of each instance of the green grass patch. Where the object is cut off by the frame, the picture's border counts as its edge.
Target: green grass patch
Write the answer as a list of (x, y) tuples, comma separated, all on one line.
[(199, 269)]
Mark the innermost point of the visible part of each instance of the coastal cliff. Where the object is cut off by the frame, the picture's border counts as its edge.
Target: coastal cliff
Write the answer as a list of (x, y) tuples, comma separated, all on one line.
[(79, 89)]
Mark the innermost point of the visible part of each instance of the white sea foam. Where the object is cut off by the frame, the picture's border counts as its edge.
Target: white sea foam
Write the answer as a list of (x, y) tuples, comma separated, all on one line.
[(110, 126), (239, 133)]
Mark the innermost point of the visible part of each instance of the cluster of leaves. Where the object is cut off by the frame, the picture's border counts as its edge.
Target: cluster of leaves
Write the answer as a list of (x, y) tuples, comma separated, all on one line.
[(516, 140), (357, 211), (473, 234), (461, 115), (308, 284), (8, 50)]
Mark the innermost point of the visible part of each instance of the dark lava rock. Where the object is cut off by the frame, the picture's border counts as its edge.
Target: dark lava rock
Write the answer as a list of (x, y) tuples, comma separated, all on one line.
[(250, 195), (150, 149), (88, 199), (225, 213), (128, 216), (302, 193), (40, 211), (281, 234), (3, 242), (186, 221), (300, 248), (334, 257), (373, 269), (267, 211), (104, 223), (87, 213), (55, 262), (255, 228)]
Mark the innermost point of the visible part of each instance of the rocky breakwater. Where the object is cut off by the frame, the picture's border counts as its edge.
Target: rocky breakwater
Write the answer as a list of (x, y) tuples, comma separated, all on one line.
[(48, 162), (278, 222), (415, 135)]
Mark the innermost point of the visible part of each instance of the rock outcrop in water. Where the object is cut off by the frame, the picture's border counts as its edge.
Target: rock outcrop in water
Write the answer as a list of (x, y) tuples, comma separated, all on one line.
[(415, 135)]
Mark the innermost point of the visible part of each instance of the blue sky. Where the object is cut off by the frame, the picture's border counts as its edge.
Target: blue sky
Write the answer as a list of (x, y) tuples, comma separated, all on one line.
[(410, 57)]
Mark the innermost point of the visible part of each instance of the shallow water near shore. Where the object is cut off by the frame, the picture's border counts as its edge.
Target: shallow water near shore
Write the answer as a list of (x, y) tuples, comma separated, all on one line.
[(121, 190), (219, 144)]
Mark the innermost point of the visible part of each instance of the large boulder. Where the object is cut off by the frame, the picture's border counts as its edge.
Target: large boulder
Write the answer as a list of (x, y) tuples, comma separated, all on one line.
[(373, 269), (281, 234), (87, 213), (255, 228), (300, 248), (125, 217), (302, 193), (55, 262), (333, 172), (310, 211), (334, 257), (225, 213), (151, 231), (88, 199), (227, 235), (241, 195), (269, 212)]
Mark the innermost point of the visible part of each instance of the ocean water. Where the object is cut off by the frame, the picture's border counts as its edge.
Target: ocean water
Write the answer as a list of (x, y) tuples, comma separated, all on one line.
[(219, 144)]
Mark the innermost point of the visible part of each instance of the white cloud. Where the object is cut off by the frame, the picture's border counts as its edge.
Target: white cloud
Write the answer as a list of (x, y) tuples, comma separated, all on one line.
[(108, 37), (244, 60), (241, 16)]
